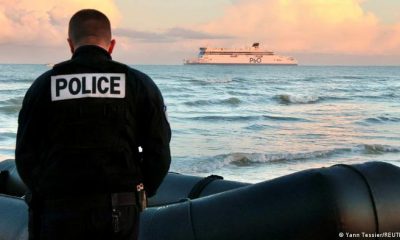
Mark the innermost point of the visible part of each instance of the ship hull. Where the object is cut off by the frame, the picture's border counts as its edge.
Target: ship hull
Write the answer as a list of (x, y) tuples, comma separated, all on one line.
[(243, 64), (236, 59)]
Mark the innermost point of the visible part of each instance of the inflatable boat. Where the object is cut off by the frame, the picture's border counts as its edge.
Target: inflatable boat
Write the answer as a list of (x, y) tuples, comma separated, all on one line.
[(342, 201)]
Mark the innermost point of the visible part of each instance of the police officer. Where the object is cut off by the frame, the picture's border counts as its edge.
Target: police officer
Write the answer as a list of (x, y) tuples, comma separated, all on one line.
[(92, 137)]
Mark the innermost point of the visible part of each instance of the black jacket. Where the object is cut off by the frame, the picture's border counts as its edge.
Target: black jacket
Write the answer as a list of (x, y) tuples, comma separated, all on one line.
[(81, 125)]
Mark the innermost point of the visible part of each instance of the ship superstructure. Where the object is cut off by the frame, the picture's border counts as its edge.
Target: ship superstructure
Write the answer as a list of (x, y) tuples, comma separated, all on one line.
[(248, 56)]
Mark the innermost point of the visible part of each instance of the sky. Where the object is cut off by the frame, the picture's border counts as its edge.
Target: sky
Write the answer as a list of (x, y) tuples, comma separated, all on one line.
[(315, 32)]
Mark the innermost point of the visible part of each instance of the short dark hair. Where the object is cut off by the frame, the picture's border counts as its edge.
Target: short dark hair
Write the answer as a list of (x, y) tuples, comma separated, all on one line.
[(89, 23)]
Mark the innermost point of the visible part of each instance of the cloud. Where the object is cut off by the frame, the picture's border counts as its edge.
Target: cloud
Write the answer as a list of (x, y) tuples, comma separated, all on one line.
[(44, 22), (313, 26), (171, 35), (295, 27), (191, 34), (169, 46)]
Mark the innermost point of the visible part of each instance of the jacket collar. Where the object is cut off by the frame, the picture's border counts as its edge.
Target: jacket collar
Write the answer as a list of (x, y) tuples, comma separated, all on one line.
[(91, 51)]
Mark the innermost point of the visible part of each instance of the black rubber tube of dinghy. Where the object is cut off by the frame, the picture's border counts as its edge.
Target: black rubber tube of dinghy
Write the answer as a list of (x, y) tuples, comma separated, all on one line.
[(12, 184), (201, 185), (13, 218), (174, 188), (312, 204)]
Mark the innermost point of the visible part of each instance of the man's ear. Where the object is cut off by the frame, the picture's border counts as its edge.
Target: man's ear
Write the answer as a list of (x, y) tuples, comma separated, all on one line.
[(111, 47), (71, 46)]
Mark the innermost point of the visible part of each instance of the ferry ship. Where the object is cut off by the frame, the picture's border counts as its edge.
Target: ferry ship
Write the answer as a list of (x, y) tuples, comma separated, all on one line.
[(248, 56)]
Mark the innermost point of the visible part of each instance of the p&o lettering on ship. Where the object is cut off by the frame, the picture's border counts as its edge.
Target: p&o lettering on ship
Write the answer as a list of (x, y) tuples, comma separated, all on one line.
[(255, 60), (100, 85)]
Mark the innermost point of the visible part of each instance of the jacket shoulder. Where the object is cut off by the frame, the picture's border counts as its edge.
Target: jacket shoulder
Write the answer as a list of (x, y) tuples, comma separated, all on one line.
[(42, 79), (61, 65), (39, 88)]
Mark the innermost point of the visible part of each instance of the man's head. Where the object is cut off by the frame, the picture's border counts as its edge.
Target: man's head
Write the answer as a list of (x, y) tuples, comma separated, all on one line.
[(90, 27)]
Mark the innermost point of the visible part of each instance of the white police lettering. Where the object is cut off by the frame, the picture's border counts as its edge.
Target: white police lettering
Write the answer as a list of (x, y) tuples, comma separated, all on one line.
[(99, 85)]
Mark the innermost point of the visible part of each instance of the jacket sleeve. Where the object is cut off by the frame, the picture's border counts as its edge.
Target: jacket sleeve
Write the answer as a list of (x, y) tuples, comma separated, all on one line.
[(30, 122), (155, 137)]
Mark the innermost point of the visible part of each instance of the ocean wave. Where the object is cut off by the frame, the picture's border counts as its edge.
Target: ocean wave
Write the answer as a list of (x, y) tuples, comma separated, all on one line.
[(351, 77), (220, 80), (12, 101), (212, 80), (257, 127), (390, 95), (13, 91), (289, 99), (7, 135), (210, 164), (245, 159), (360, 149), (9, 109), (380, 119), (285, 118), (11, 105), (244, 92), (377, 95), (373, 97), (232, 101), (238, 159), (21, 80), (224, 118), (173, 77), (376, 149), (313, 78), (238, 118)]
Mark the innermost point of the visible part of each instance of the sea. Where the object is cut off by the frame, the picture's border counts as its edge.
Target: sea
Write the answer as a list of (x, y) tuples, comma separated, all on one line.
[(255, 123)]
